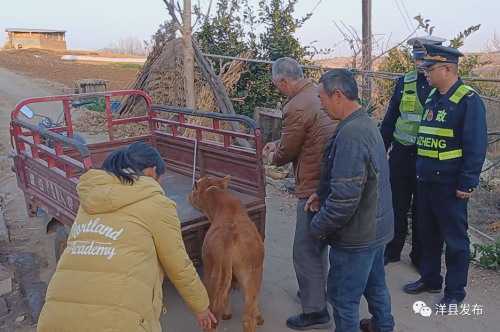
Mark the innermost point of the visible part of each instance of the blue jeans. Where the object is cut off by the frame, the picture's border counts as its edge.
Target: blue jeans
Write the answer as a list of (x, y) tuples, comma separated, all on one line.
[(354, 273)]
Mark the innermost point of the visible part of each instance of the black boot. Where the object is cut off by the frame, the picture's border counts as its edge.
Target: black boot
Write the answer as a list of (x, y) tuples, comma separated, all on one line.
[(310, 321)]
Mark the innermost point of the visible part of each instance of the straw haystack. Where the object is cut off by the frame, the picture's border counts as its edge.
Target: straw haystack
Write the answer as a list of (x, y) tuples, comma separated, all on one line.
[(162, 78)]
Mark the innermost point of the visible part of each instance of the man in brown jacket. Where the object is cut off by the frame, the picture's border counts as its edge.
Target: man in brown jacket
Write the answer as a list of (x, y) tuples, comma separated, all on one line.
[(306, 128)]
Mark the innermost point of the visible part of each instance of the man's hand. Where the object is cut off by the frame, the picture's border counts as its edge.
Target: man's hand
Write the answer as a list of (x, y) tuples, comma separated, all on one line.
[(269, 148), (463, 194), (206, 320), (313, 203), (268, 153)]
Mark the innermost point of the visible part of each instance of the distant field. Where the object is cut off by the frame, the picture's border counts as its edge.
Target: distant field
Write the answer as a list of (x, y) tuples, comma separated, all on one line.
[(48, 65)]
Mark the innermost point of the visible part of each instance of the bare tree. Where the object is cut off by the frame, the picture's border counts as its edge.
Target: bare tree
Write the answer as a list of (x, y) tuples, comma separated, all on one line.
[(128, 45), (380, 42), (494, 44), (352, 38)]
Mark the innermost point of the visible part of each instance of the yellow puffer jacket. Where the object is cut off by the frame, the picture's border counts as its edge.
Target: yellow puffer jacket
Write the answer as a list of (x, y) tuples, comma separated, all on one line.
[(110, 276)]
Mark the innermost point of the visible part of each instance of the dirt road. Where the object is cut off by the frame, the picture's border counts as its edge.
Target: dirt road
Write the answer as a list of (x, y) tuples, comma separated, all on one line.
[(30, 255), (280, 286)]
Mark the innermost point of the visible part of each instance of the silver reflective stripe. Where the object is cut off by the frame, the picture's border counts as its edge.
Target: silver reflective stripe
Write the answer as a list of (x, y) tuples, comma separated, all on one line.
[(411, 117), (405, 137)]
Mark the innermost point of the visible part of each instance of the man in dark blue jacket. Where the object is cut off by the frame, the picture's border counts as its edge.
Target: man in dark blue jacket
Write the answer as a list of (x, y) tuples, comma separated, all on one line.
[(399, 130), (451, 148), (354, 208)]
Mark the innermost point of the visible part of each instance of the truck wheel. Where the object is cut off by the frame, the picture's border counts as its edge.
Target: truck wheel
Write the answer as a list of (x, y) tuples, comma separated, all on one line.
[(60, 239)]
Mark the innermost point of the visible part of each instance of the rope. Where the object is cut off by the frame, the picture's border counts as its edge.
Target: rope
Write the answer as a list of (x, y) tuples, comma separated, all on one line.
[(194, 160)]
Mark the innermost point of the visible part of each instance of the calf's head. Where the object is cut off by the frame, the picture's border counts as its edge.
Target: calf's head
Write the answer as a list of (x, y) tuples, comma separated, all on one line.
[(199, 196)]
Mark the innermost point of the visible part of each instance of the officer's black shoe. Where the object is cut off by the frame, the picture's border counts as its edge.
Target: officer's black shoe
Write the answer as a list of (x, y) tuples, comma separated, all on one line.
[(310, 321), (388, 259), (418, 287), (447, 305)]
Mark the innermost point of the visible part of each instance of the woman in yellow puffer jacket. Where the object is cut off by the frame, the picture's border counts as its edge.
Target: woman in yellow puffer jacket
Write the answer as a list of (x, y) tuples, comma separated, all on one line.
[(126, 235)]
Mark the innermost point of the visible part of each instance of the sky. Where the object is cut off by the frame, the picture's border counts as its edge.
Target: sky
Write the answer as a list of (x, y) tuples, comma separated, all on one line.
[(96, 24)]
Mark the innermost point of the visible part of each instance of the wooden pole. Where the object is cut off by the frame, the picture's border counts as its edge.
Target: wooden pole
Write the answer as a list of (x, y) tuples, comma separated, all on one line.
[(188, 56), (367, 48)]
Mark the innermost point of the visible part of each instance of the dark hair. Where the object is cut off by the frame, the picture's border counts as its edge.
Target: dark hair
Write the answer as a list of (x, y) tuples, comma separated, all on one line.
[(128, 163), (342, 80)]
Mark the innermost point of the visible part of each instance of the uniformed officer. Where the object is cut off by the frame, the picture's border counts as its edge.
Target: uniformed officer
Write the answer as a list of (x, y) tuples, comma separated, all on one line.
[(451, 148), (399, 130)]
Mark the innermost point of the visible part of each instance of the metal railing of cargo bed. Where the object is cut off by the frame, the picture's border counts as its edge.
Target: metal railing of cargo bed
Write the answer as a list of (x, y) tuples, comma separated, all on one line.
[(30, 140)]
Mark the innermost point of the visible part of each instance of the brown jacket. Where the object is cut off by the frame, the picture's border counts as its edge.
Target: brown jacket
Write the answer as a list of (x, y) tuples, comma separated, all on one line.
[(306, 129)]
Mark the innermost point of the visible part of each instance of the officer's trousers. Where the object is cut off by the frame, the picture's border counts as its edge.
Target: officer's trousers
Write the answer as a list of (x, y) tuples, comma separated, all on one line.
[(402, 162), (442, 217)]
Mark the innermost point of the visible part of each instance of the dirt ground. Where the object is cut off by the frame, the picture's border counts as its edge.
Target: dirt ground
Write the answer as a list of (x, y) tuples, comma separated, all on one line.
[(30, 253), (29, 256), (47, 65)]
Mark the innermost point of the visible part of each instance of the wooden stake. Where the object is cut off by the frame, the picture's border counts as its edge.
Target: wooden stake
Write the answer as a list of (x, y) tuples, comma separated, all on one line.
[(367, 48), (188, 56)]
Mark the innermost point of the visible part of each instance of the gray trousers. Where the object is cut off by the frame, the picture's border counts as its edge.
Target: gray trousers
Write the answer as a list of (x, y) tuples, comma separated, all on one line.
[(310, 259)]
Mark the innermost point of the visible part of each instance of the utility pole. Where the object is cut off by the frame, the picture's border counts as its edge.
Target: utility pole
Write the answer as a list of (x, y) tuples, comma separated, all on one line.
[(188, 56), (367, 48)]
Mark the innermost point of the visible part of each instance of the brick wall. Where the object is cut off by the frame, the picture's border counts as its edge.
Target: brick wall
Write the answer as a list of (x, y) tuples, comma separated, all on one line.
[(25, 43), (36, 40), (53, 44)]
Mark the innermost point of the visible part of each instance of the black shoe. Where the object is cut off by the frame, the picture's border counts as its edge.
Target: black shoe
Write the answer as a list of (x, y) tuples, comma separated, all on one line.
[(418, 287), (388, 259), (447, 305), (310, 321), (366, 325)]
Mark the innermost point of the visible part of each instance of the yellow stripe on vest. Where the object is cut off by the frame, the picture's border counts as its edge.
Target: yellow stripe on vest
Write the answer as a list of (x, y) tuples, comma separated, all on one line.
[(453, 154), (443, 132), (450, 154), (428, 153), (461, 91)]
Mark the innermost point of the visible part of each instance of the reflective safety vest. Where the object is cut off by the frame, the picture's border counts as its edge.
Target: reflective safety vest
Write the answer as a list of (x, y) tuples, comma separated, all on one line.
[(436, 138), (411, 111)]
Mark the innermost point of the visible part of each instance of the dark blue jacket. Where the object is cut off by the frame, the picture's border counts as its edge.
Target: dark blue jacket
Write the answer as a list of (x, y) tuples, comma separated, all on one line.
[(356, 205), (467, 120), (393, 113)]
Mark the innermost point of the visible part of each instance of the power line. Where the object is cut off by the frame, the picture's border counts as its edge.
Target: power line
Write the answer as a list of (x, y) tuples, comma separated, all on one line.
[(316, 6), (412, 23), (402, 15), (368, 73)]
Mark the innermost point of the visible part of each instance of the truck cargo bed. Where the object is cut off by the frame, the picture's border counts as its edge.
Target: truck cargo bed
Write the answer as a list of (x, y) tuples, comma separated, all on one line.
[(178, 186)]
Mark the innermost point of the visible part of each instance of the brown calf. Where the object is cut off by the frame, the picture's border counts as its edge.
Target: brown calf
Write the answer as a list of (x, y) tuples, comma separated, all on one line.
[(233, 251)]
